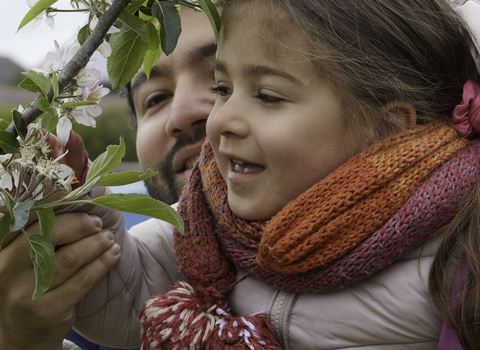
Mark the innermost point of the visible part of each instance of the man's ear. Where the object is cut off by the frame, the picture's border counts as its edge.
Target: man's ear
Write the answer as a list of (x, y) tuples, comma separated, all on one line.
[(405, 111)]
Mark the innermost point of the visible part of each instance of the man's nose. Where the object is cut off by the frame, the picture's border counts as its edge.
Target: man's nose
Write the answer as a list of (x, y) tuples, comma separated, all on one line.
[(191, 105)]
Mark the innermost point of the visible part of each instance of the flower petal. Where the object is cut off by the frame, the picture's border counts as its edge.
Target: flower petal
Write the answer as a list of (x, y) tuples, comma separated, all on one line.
[(64, 171), (49, 21), (32, 25), (31, 3), (6, 182), (105, 49), (113, 30), (63, 129), (83, 117)]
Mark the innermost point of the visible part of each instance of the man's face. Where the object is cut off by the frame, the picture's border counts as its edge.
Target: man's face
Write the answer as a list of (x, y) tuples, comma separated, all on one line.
[(172, 107)]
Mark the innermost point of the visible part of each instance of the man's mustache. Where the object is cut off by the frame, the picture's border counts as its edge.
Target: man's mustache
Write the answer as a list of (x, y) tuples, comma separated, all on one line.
[(183, 140)]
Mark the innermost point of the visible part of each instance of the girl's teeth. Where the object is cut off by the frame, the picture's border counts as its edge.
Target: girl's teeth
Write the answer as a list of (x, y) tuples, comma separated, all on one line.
[(246, 168)]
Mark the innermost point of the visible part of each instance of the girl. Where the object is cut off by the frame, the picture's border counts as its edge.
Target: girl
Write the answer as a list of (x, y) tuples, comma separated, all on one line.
[(331, 178)]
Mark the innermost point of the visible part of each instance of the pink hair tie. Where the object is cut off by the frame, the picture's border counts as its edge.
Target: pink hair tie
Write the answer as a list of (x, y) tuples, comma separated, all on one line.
[(466, 116)]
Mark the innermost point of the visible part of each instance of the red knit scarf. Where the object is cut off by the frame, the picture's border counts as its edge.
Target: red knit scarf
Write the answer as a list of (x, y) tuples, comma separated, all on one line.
[(366, 214)]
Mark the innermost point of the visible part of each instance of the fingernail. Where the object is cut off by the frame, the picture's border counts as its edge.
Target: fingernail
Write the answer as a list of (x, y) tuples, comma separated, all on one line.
[(97, 221), (109, 234), (115, 249)]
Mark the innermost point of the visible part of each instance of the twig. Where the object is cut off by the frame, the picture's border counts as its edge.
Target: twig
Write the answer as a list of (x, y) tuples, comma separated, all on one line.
[(78, 61)]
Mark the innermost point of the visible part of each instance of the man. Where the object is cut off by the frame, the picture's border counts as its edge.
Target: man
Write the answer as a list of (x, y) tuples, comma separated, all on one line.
[(172, 106), (171, 109)]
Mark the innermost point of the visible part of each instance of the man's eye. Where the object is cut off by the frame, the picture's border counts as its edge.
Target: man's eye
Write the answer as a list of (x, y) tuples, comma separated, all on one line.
[(155, 100), (221, 90), (268, 99)]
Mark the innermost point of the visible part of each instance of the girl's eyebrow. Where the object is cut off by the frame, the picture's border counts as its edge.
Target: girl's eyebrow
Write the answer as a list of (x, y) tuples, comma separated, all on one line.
[(259, 70)]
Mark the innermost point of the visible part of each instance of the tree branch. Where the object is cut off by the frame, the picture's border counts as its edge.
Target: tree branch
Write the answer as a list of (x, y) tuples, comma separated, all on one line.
[(78, 61)]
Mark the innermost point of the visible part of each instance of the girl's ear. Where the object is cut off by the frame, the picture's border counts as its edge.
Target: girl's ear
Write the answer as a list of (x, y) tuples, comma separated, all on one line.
[(404, 111)]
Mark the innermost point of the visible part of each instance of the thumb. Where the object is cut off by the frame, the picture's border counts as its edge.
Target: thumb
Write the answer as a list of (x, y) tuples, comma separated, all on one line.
[(75, 157)]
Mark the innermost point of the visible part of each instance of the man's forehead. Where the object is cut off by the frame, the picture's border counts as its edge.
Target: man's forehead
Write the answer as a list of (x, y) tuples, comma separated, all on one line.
[(189, 58)]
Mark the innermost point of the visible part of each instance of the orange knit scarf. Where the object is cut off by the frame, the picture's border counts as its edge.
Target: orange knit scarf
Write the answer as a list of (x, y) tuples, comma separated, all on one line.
[(331, 218)]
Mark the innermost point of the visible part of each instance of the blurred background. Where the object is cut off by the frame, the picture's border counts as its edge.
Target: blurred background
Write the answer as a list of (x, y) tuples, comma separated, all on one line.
[(20, 52)]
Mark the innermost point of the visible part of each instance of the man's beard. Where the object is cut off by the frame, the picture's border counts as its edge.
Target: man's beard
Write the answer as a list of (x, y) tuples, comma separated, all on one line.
[(163, 186)]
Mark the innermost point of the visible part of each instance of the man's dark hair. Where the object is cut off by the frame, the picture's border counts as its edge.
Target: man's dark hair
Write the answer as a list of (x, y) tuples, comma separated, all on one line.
[(127, 93)]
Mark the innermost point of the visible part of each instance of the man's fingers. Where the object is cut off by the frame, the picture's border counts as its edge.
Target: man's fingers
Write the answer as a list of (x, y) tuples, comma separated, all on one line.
[(70, 258), (69, 228), (75, 288), (72, 227), (75, 157)]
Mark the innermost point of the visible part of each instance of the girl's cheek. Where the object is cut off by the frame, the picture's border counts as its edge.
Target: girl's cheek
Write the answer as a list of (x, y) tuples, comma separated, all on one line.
[(212, 134)]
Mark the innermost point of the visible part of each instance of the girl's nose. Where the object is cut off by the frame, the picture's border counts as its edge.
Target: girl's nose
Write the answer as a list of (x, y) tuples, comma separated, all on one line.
[(229, 118)]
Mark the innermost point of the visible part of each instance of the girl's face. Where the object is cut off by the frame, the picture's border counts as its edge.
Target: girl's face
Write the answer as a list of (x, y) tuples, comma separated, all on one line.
[(276, 128)]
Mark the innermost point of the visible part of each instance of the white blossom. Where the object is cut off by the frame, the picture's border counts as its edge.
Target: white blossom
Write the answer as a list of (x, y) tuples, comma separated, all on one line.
[(64, 126), (104, 48), (52, 62), (35, 23)]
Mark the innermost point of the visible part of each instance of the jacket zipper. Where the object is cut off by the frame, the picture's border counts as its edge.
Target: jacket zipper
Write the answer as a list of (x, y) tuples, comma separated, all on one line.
[(282, 306)]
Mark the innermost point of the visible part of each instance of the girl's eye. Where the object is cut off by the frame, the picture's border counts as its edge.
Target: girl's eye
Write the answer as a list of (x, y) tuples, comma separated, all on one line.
[(268, 99), (221, 90), (155, 100)]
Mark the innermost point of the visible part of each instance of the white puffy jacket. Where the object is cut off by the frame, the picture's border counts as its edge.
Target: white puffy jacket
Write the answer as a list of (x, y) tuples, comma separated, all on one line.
[(389, 310)]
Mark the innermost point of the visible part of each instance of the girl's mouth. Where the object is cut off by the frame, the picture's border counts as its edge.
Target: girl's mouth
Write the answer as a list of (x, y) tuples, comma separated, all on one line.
[(242, 167)]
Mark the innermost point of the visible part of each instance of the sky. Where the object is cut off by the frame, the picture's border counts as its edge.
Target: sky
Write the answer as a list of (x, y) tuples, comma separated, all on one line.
[(29, 50)]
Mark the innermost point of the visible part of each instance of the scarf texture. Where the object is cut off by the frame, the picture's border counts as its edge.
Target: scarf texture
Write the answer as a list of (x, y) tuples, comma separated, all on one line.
[(368, 213)]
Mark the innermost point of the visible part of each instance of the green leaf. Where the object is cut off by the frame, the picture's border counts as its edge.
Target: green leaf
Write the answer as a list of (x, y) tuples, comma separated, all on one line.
[(211, 11), (143, 205), (43, 104), (136, 24), (133, 6), (154, 50), (20, 124), (77, 104), (83, 33), (4, 227), (20, 214), (3, 124), (55, 85), (29, 85), (9, 143), (42, 254), (49, 120), (145, 11), (154, 42), (170, 26), (37, 9), (46, 218), (9, 202), (150, 59), (125, 177), (40, 80), (81, 191), (107, 161), (128, 50), (50, 116)]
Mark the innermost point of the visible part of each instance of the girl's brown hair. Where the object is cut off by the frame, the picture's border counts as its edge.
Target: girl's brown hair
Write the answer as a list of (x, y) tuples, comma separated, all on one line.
[(374, 52), (380, 51)]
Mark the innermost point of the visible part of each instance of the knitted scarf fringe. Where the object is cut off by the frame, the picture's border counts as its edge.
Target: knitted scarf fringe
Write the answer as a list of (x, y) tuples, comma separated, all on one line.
[(367, 214)]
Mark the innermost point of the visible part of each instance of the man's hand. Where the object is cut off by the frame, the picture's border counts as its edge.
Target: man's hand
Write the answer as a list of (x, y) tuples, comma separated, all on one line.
[(85, 253)]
